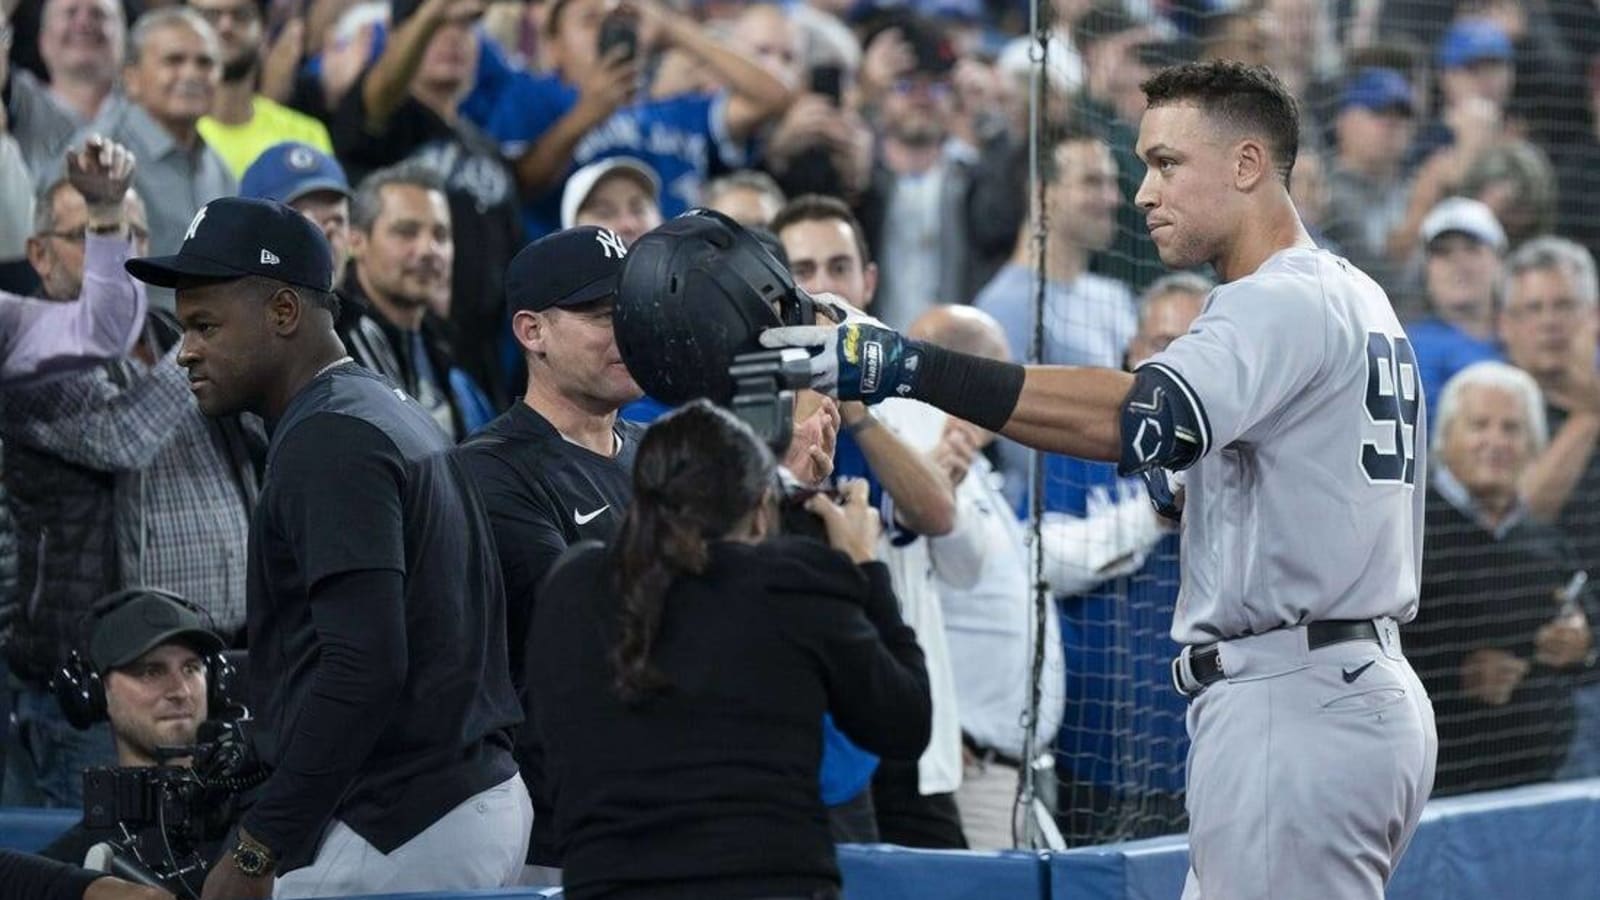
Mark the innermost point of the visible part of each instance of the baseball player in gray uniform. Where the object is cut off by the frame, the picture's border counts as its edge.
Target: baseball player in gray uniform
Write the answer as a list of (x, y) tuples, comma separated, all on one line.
[(1294, 412)]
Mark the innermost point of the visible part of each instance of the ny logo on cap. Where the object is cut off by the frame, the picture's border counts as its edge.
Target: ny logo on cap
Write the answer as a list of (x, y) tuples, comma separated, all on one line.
[(195, 224), (268, 258), (611, 243)]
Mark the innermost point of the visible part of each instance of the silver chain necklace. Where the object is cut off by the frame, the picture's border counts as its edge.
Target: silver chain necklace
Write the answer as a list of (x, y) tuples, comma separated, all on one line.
[(331, 366)]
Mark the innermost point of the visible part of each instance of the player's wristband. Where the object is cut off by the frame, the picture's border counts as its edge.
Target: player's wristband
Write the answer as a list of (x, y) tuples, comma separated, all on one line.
[(981, 391)]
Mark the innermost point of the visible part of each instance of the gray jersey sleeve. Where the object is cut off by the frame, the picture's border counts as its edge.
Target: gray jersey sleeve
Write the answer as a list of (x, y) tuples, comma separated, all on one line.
[(1257, 344)]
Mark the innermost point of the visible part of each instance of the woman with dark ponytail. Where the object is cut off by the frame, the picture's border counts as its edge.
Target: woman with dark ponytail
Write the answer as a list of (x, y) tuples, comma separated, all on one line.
[(678, 677)]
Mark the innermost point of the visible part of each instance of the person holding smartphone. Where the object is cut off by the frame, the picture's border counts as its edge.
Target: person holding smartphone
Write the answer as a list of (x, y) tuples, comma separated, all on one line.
[(678, 675)]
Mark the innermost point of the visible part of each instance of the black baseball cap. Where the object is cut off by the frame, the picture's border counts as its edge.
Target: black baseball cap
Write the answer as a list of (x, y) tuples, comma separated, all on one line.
[(144, 623), (234, 237), (569, 268)]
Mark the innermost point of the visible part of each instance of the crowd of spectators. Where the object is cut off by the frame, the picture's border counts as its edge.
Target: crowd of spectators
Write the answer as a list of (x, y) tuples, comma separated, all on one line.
[(450, 151)]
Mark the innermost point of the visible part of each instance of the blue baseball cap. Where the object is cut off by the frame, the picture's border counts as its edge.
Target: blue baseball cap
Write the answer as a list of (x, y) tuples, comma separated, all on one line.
[(1378, 90), (1473, 40), (288, 171)]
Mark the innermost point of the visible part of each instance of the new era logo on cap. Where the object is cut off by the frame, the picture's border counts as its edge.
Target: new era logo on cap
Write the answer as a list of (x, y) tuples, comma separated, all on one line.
[(233, 244)]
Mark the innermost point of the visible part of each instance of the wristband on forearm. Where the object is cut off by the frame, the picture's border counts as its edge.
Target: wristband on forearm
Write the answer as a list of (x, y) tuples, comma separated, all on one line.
[(981, 391)]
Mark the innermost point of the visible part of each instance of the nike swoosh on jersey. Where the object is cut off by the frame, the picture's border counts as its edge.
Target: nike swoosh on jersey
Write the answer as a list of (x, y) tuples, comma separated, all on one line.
[(586, 518), (1350, 675)]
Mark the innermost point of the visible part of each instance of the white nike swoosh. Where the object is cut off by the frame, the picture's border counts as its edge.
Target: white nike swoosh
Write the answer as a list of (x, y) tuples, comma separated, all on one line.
[(583, 519)]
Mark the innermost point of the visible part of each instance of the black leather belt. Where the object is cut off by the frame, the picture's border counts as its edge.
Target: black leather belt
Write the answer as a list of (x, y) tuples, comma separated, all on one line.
[(987, 754), (1204, 662)]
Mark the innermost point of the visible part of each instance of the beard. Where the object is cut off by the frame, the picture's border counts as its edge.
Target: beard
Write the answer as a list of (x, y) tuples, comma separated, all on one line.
[(237, 70)]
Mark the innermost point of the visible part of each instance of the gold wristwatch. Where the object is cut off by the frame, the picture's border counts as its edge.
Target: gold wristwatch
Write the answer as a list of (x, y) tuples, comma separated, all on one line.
[(252, 857)]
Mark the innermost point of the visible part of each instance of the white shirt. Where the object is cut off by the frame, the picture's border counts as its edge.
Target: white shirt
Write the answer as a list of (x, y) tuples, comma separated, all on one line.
[(911, 571)]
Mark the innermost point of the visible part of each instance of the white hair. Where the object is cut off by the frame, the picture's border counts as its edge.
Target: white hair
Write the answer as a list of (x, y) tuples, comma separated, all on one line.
[(162, 18), (1559, 254), (1501, 377)]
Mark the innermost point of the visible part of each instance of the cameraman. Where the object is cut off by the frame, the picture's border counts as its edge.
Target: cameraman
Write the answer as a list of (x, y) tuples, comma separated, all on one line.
[(149, 653), (700, 636)]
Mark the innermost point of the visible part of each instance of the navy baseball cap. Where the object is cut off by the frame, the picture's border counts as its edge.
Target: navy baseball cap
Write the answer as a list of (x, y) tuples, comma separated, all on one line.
[(234, 237), (568, 268), (1379, 90), (1473, 40), (288, 171), (144, 623)]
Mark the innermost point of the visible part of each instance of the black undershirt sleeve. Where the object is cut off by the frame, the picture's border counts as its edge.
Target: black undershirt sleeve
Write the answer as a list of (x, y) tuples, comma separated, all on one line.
[(341, 498), (28, 877)]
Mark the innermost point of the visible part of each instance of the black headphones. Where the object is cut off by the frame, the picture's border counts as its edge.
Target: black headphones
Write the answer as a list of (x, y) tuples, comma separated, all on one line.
[(81, 692)]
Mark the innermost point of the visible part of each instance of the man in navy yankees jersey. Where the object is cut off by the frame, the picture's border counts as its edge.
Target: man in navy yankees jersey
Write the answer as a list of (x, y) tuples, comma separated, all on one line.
[(1294, 411), (556, 468)]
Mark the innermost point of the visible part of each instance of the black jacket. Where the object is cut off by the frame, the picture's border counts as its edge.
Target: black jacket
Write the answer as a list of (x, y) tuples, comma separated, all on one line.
[(709, 790)]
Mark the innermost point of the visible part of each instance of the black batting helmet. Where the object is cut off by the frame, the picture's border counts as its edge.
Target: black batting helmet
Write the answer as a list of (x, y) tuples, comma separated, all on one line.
[(693, 294)]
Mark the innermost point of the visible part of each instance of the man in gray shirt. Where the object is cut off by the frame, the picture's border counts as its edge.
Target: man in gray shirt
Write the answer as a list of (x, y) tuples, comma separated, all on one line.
[(172, 76), (1293, 405), (81, 42)]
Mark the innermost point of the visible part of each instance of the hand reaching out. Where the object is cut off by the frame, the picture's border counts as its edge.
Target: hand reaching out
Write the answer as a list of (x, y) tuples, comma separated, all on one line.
[(101, 171)]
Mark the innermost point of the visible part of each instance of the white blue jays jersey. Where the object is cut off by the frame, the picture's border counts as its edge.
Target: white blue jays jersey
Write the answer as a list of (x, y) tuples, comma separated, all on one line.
[(1307, 501)]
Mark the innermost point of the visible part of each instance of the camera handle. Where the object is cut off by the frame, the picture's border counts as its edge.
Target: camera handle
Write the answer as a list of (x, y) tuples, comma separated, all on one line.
[(763, 395)]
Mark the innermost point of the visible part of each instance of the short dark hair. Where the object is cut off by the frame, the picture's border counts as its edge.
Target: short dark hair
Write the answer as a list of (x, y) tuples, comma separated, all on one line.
[(327, 300), (1250, 99), (1059, 134), (822, 208), (367, 204)]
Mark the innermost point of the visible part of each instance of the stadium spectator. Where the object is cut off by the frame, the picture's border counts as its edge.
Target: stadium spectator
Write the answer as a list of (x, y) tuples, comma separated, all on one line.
[(587, 110), (749, 197), (1476, 75), (1515, 180), (1498, 635), (554, 469), (914, 805), (709, 649), (150, 654), (402, 243), (1088, 319), (171, 78), (982, 572), (821, 144), (916, 211), (81, 43), (407, 107), (182, 483), (1370, 188), (1119, 53), (1549, 324), (36, 878), (313, 183), (243, 122), (66, 538), (618, 193), (1064, 62), (1114, 568), (42, 338), (375, 596), (1464, 244), (16, 182)]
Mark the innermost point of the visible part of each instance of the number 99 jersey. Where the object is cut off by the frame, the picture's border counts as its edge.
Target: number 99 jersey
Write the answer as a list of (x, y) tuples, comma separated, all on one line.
[(1305, 501)]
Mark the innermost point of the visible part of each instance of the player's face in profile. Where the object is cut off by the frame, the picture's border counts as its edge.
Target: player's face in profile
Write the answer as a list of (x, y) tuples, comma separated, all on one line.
[(824, 259), (159, 700), (1487, 445), (580, 348), (1187, 192), (225, 345)]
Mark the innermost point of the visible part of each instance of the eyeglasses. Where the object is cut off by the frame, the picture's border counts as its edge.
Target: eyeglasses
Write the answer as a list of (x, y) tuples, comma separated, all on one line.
[(77, 235)]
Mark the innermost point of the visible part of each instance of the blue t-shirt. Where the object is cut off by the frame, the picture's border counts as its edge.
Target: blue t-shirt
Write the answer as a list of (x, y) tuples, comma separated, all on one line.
[(1442, 350), (683, 138)]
